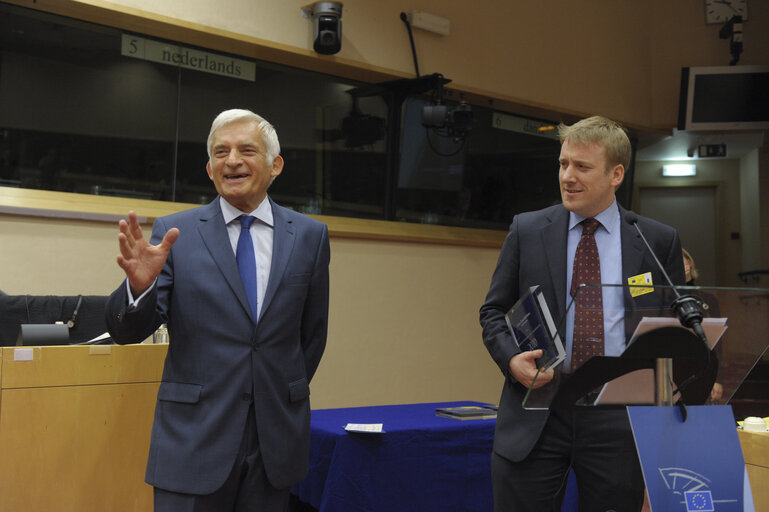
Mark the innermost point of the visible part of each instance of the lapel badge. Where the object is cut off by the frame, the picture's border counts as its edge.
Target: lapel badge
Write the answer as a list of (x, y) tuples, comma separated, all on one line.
[(635, 283)]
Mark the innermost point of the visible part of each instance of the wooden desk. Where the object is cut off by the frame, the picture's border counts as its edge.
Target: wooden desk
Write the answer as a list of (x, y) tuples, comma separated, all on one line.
[(75, 425), (755, 450)]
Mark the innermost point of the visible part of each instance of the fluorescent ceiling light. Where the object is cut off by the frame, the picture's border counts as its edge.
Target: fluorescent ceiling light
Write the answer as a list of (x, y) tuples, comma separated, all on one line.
[(679, 170)]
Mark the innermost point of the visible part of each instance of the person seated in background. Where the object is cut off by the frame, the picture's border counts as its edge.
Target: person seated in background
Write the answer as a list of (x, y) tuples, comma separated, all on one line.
[(709, 308), (709, 302), (690, 268)]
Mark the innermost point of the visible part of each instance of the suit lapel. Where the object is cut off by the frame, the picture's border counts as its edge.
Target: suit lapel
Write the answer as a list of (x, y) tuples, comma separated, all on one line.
[(554, 250), (633, 249), (214, 234), (282, 245)]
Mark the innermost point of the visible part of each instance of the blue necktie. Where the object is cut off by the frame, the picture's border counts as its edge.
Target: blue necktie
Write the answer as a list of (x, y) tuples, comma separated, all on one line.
[(247, 261)]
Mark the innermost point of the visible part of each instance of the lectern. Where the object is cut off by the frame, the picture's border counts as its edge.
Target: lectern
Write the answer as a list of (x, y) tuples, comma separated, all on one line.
[(75, 425), (664, 359)]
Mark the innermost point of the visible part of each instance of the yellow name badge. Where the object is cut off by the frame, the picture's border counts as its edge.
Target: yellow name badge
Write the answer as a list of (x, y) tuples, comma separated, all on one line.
[(635, 281)]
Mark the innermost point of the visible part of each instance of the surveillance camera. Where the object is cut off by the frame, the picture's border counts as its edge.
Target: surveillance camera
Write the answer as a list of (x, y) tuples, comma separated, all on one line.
[(327, 23), (435, 116), (458, 121)]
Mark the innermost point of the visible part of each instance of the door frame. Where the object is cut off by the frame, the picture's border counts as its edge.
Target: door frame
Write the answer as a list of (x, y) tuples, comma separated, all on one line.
[(722, 271)]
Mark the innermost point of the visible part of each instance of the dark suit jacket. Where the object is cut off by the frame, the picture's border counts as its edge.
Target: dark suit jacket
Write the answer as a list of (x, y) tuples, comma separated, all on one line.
[(219, 360), (534, 253)]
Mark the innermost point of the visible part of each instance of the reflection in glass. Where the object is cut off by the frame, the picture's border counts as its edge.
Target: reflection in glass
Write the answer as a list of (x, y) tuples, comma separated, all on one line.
[(77, 115)]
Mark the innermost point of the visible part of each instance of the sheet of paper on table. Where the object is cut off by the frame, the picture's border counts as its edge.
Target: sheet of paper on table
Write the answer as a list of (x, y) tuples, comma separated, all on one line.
[(365, 428)]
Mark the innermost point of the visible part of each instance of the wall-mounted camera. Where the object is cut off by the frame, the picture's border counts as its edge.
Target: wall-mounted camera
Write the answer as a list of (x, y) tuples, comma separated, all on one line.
[(327, 26), (446, 121), (457, 121)]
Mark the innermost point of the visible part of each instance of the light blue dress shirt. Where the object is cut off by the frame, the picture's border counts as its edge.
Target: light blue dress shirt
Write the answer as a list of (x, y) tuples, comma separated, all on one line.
[(609, 242)]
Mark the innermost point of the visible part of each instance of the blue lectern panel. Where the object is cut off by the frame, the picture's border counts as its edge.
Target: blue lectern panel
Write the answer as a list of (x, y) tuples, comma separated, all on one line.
[(692, 465)]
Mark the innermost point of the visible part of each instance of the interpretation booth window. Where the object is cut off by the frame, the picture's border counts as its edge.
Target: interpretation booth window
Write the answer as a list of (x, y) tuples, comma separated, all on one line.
[(90, 109)]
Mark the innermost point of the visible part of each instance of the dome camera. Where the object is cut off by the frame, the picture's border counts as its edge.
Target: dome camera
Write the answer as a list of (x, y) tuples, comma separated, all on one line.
[(327, 27)]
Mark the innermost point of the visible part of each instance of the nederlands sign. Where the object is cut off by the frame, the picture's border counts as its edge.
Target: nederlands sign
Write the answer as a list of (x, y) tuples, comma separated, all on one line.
[(163, 53)]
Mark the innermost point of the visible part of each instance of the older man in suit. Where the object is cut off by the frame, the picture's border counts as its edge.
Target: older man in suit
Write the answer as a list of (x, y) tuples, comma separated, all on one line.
[(534, 449), (232, 420)]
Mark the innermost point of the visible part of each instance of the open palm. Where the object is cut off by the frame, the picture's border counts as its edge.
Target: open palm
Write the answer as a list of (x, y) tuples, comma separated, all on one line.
[(140, 260)]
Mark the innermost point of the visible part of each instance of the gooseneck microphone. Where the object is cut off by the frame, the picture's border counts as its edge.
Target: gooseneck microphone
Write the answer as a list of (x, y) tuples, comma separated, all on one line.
[(687, 308)]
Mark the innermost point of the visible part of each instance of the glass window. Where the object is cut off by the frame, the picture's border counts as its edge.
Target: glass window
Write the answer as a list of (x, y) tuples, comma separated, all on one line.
[(82, 111)]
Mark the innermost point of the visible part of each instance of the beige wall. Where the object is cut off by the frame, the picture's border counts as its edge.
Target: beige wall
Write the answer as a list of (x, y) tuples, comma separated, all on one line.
[(403, 324), (620, 58)]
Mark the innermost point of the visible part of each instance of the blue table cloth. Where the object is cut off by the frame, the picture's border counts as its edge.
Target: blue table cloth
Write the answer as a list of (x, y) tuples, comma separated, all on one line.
[(422, 462)]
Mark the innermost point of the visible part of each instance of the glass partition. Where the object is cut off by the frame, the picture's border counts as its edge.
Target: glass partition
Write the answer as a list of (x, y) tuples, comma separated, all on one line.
[(735, 323), (91, 109)]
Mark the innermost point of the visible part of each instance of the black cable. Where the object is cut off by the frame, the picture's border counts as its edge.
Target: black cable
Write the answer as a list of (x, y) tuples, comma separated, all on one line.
[(405, 19), (71, 321)]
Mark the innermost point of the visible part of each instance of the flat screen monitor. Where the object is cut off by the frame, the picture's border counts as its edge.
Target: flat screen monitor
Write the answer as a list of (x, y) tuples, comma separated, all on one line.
[(724, 98)]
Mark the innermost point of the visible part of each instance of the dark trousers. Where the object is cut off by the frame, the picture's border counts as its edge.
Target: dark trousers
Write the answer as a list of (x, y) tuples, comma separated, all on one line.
[(247, 489), (596, 443)]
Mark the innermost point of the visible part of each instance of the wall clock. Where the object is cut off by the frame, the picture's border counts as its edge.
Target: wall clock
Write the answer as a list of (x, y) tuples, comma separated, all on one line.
[(721, 11)]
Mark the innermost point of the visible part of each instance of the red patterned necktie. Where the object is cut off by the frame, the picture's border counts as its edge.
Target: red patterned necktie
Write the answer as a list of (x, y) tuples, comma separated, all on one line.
[(588, 307)]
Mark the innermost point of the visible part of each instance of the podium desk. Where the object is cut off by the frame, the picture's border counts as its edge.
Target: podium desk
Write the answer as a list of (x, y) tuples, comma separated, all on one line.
[(75, 425), (422, 462), (755, 451)]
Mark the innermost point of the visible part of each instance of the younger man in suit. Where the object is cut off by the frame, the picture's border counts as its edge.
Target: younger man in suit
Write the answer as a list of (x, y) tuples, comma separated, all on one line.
[(243, 285), (534, 449)]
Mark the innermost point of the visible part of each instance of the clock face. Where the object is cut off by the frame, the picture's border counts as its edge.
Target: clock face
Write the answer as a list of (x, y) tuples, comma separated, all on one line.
[(721, 11)]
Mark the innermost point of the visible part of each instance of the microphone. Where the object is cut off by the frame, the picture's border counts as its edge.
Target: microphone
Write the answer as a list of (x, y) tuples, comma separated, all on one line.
[(71, 321), (687, 308)]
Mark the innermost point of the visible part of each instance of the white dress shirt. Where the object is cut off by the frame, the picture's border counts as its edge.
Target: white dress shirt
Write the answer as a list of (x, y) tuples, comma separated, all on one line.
[(261, 234)]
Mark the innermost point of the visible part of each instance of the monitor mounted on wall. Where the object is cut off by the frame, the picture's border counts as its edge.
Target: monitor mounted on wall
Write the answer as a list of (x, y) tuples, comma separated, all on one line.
[(724, 98)]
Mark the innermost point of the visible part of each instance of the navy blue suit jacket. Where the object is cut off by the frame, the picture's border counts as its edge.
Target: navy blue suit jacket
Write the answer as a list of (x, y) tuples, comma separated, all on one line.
[(534, 253), (219, 359)]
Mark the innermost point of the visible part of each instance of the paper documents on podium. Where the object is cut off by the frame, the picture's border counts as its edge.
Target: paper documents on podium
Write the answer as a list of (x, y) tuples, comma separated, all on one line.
[(714, 327), (532, 327), (638, 387)]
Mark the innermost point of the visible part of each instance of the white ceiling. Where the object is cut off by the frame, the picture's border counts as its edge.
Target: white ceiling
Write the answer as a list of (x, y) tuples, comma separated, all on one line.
[(656, 147)]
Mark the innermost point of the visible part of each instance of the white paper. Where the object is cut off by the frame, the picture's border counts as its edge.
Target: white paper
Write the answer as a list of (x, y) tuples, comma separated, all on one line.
[(714, 327), (368, 428), (99, 338)]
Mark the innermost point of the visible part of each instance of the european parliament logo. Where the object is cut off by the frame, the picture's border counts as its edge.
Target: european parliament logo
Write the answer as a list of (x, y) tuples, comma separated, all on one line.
[(699, 501), (684, 469)]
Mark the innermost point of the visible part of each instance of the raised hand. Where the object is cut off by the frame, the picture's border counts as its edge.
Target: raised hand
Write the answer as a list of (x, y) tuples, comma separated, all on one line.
[(140, 260)]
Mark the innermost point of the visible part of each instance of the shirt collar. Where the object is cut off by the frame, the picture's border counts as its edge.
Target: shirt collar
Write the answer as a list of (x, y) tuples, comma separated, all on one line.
[(263, 212), (608, 218)]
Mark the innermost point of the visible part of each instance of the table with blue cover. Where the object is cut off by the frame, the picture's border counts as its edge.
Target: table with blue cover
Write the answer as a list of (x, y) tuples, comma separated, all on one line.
[(422, 462)]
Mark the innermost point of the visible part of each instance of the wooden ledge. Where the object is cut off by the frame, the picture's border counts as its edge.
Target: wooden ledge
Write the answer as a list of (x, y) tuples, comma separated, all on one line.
[(70, 206)]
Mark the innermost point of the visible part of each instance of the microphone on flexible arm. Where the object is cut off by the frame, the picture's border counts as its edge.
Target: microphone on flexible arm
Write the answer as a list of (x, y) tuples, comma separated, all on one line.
[(687, 308)]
